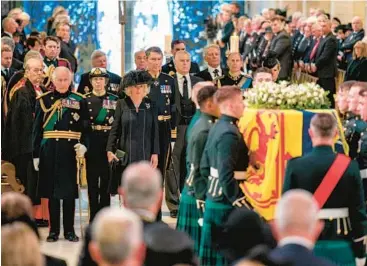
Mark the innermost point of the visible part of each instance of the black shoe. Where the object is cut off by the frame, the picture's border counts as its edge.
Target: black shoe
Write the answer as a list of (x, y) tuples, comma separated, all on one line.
[(52, 237), (71, 236), (41, 223), (173, 214)]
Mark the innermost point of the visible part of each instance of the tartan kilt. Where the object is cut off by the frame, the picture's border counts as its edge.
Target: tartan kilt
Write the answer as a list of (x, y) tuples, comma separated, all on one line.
[(187, 219), (215, 213), (338, 252)]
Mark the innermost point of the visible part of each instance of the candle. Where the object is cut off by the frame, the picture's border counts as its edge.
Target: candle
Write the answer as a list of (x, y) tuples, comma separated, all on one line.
[(234, 43), (167, 43)]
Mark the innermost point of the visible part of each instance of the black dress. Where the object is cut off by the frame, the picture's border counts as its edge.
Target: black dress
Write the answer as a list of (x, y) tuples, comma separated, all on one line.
[(135, 133), (357, 70)]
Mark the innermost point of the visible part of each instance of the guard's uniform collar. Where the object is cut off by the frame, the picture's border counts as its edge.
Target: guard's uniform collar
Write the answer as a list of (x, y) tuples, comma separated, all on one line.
[(210, 118), (322, 148), (229, 119)]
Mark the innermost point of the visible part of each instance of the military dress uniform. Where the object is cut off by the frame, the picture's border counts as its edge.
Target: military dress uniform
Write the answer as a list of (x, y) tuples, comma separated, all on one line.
[(361, 131), (113, 85), (189, 212), (49, 66), (101, 109), (225, 159), (170, 68), (61, 122), (242, 81), (344, 212), (162, 95)]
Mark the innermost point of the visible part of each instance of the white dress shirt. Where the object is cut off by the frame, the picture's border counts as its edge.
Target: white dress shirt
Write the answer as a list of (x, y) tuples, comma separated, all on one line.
[(180, 81), (211, 71), (298, 241)]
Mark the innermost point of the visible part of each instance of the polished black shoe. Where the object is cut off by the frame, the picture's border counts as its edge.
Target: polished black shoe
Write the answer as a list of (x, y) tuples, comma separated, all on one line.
[(71, 236), (41, 223), (173, 214), (52, 237)]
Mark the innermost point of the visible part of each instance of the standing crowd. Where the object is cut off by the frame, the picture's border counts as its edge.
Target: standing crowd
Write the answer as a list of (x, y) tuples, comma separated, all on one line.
[(61, 137)]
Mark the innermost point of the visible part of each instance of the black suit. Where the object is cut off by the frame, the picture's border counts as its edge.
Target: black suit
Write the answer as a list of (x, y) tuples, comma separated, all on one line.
[(177, 170), (170, 67), (17, 64), (349, 43), (9, 74), (67, 53), (326, 65), (297, 255), (281, 45), (357, 70), (205, 74)]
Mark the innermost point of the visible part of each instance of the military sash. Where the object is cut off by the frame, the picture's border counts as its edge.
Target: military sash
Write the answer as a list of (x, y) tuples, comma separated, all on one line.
[(245, 83), (106, 105), (331, 179), (49, 125)]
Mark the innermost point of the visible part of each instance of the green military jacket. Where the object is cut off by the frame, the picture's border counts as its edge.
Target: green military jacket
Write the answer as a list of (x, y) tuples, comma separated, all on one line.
[(225, 153), (242, 81), (195, 182), (351, 135), (308, 171)]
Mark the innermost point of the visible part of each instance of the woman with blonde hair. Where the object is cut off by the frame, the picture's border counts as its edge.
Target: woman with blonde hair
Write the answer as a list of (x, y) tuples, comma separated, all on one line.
[(357, 68), (20, 246)]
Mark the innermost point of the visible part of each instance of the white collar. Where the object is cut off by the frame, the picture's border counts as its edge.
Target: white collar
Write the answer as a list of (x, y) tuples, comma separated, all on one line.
[(180, 76), (296, 240), (211, 69), (8, 33)]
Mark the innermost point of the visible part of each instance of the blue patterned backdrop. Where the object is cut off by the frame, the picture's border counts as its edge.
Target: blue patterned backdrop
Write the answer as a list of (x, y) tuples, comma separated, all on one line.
[(188, 23), (83, 16)]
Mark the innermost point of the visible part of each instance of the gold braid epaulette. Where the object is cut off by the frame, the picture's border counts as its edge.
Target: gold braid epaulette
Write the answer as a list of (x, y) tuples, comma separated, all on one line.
[(79, 94), (16, 87), (53, 109)]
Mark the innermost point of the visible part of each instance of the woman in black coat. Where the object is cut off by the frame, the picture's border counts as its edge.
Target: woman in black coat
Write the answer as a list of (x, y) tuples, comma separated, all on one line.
[(357, 68), (134, 132)]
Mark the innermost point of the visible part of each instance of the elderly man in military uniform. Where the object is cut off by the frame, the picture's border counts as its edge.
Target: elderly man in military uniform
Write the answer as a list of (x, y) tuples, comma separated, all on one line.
[(52, 60), (170, 68), (335, 181), (101, 109), (162, 94), (185, 108), (17, 143), (234, 77), (99, 59), (195, 187), (224, 162), (58, 150)]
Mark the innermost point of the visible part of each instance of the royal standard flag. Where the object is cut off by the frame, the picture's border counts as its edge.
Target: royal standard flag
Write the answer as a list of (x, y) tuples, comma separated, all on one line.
[(273, 137)]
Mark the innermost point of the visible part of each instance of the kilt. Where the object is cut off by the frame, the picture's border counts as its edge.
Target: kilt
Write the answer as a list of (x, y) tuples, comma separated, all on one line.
[(188, 216), (215, 213), (338, 252)]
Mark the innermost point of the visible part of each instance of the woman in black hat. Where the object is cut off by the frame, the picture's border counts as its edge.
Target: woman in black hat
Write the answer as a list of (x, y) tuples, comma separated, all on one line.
[(273, 64), (134, 134)]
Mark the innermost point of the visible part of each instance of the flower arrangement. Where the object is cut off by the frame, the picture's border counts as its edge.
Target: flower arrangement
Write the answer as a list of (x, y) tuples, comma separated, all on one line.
[(269, 95)]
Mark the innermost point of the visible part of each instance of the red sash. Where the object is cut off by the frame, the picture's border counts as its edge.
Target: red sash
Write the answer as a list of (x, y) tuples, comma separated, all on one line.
[(331, 179)]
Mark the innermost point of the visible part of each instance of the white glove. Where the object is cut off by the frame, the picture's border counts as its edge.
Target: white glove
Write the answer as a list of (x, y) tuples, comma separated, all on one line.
[(360, 261), (241, 202), (80, 150), (36, 162)]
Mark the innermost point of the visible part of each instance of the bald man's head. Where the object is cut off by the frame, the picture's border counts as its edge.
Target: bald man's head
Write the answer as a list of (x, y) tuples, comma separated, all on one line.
[(296, 214), (141, 187), (357, 23)]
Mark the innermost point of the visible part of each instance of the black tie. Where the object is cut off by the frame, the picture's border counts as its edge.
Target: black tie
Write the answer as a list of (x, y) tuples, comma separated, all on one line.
[(6, 72), (216, 73), (185, 89)]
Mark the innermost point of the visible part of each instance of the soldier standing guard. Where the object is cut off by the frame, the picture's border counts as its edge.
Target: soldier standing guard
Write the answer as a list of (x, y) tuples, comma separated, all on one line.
[(234, 77), (335, 181), (101, 109), (224, 162), (162, 94), (58, 133), (195, 188)]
